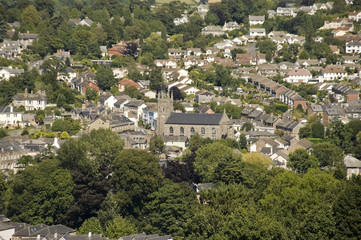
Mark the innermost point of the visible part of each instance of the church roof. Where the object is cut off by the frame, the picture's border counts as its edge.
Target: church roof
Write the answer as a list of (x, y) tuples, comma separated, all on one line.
[(194, 118)]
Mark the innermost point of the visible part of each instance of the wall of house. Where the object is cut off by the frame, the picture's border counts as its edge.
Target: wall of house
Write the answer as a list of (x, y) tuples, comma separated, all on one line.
[(7, 234)]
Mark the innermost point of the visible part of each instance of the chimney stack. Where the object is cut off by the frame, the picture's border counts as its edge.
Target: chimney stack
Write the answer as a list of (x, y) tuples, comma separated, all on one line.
[(89, 234)]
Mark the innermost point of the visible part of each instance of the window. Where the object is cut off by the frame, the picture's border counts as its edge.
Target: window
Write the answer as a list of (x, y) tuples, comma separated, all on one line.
[(213, 133), (171, 131), (192, 131), (182, 131), (203, 131)]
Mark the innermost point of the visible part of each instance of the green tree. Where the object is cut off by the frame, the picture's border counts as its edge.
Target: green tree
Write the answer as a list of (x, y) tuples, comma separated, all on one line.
[(347, 210), (300, 161), (91, 94), (91, 225), (3, 29), (119, 227), (3, 188), (208, 158), (243, 141), (136, 174), (155, 45), (41, 194), (105, 78), (3, 133), (318, 130), (327, 154), (169, 209), (156, 145)]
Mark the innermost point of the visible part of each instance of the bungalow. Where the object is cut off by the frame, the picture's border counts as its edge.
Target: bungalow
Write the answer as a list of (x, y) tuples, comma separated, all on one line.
[(212, 30), (256, 20), (257, 32), (353, 166), (175, 53)]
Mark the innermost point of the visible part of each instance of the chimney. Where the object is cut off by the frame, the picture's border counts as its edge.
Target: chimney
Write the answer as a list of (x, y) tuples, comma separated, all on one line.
[(11, 108), (89, 234), (38, 237), (56, 235)]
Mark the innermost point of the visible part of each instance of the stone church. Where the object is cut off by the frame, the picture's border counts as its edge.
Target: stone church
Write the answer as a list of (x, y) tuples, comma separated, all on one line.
[(170, 123)]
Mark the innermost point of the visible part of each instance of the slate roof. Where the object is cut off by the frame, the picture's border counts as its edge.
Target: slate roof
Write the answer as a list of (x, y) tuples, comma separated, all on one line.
[(194, 118), (6, 109)]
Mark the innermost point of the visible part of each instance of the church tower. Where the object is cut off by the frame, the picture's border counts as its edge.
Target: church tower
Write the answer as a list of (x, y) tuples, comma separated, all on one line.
[(165, 108)]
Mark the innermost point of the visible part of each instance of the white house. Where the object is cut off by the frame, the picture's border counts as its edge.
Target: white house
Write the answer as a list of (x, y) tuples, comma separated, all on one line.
[(298, 75), (68, 76), (354, 16), (10, 116), (86, 22), (334, 72), (230, 26), (31, 101), (6, 231), (120, 73), (353, 47), (257, 32), (108, 100), (181, 20), (256, 20), (7, 72), (353, 166)]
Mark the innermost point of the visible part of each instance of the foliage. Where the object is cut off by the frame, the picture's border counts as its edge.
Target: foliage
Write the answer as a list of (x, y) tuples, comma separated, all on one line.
[(156, 145), (91, 94), (41, 194), (105, 78), (119, 227), (257, 158), (91, 225), (3, 133), (300, 161), (68, 125)]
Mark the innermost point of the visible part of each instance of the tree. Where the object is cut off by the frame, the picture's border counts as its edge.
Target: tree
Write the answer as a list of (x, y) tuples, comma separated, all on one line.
[(247, 126), (169, 209), (105, 78), (91, 94), (300, 161), (3, 29), (156, 145), (41, 194), (3, 188), (318, 130), (347, 210), (328, 154), (243, 141), (119, 227), (258, 159), (156, 46), (3, 133), (64, 135), (208, 158), (136, 174), (91, 225)]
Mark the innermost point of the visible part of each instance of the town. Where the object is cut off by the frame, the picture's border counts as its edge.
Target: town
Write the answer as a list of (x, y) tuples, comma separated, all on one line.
[(219, 109)]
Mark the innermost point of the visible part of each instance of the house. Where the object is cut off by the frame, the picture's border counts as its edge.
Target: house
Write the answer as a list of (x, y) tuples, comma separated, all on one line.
[(334, 72), (265, 145), (31, 101), (135, 106), (353, 166), (114, 121), (166, 63), (10, 153), (267, 70), (108, 100), (120, 72), (121, 48), (280, 158), (135, 139), (177, 141), (298, 75), (68, 76), (271, 13), (256, 20), (148, 93), (86, 22), (43, 232), (289, 127), (150, 116), (334, 49), (193, 52), (204, 109), (175, 53), (331, 113), (282, 11), (257, 32), (125, 83), (351, 59), (354, 16), (10, 117), (301, 144), (182, 20), (231, 26), (245, 59), (212, 30), (7, 72), (6, 231), (353, 47), (204, 97)]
